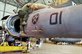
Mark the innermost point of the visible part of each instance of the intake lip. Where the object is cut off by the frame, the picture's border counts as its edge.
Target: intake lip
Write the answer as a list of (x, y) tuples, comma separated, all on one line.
[(13, 25)]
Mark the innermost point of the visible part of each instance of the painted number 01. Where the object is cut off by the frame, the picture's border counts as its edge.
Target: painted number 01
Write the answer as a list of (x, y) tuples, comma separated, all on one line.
[(57, 18)]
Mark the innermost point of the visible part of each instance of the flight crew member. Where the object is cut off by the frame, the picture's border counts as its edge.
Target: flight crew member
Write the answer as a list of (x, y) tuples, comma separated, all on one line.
[(30, 7)]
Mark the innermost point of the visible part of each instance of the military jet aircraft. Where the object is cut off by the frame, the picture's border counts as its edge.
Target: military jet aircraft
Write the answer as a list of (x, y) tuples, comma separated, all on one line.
[(45, 21)]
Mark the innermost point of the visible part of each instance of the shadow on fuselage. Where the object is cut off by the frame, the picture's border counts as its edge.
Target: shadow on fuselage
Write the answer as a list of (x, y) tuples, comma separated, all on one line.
[(66, 40)]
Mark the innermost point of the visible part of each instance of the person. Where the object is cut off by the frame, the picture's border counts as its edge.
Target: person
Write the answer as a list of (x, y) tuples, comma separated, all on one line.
[(9, 39), (28, 44), (33, 6), (30, 7)]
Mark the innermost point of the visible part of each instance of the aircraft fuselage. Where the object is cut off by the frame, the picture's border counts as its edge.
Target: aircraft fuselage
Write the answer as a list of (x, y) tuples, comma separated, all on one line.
[(55, 22)]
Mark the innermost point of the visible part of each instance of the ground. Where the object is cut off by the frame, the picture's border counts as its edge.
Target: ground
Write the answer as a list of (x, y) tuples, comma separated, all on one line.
[(53, 49)]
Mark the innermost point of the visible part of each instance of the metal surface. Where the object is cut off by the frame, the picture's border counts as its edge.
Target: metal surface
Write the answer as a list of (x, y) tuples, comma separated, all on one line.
[(56, 23), (52, 22)]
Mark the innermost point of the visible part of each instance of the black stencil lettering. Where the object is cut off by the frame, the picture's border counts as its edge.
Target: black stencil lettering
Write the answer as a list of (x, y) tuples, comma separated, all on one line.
[(56, 14), (58, 18)]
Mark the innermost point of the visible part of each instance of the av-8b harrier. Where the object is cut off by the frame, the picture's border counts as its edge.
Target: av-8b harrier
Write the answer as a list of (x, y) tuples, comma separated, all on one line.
[(48, 22)]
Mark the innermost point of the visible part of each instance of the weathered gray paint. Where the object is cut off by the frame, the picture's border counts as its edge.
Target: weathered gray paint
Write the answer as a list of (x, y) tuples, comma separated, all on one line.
[(71, 22)]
